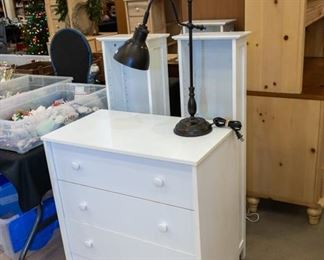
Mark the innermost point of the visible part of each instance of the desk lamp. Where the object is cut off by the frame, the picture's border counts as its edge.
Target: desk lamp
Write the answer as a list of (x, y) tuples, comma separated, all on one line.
[(134, 53)]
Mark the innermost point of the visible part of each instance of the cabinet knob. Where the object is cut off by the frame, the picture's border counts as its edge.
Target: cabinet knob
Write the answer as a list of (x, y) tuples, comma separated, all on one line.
[(76, 166), (137, 9), (88, 243), (163, 227), (158, 182), (83, 206)]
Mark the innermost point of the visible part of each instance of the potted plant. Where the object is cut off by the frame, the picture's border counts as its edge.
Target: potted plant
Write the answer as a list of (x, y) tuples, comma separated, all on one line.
[(94, 11)]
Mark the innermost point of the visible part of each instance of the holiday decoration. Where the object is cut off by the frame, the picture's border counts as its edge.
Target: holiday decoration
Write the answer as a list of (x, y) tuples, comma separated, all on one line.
[(94, 10), (35, 30), (61, 9)]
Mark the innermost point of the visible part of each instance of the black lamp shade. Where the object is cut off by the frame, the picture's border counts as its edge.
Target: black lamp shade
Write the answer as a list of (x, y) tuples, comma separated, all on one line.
[(134, 52)]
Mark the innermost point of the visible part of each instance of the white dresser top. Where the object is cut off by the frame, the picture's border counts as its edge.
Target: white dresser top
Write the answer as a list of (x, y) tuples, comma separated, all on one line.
[(144, 135), (212, 36)]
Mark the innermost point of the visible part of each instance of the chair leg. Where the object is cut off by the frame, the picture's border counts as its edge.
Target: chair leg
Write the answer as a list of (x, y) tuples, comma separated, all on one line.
[(30, 238)]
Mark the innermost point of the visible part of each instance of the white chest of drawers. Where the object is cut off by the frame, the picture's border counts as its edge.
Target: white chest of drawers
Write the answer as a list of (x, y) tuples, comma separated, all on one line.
[(127, 188)]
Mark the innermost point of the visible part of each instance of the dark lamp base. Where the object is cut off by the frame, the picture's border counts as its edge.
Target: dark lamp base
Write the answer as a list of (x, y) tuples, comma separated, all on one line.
[(192, 127)]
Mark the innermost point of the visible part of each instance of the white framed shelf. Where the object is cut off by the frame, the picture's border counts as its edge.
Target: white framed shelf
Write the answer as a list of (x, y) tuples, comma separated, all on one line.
[(135, 90)]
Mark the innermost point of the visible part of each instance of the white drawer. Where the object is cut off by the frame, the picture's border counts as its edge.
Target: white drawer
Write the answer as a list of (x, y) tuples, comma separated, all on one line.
[(94, 243), (158, 223), (164, 182), (137, 9)]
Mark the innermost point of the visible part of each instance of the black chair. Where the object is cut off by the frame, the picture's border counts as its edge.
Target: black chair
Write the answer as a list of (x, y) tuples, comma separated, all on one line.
[(71, 55), (3, 39)]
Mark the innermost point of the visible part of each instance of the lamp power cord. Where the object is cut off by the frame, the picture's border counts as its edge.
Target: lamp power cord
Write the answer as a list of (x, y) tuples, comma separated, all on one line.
[(252, 217), (236, 126)]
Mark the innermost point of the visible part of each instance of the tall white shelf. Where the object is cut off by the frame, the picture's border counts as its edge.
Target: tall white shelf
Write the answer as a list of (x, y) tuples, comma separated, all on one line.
[(220, 86), (134, 90)]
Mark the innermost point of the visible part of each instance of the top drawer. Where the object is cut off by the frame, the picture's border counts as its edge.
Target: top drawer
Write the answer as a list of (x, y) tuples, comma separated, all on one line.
[(164, 182), (136, 8)]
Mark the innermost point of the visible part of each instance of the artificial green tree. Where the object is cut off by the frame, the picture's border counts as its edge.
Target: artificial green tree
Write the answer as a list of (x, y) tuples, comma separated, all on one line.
[(36, 30)]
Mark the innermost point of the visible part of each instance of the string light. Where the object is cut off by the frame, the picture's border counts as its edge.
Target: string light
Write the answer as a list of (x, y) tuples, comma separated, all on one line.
[(36, 31)]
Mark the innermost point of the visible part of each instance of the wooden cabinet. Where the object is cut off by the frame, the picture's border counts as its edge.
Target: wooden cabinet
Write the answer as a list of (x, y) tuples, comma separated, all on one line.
[(285, 149), (276, 48), (119, 199), (135, 10), (285, 117)]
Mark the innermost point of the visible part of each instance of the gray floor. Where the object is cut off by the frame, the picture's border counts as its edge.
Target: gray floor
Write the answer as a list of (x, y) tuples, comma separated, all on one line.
[(283, 233)]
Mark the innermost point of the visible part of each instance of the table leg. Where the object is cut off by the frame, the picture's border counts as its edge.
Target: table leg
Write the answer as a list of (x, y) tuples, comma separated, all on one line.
[(39, 212)]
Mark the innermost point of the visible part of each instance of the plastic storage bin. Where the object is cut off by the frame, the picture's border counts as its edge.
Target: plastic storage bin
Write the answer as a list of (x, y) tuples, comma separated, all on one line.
[(21, 84), (15, 230), (9, 205), (23, 135)]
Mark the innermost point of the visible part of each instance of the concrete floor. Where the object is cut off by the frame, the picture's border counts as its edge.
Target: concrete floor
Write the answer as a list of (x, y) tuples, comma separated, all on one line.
[(283, 233)]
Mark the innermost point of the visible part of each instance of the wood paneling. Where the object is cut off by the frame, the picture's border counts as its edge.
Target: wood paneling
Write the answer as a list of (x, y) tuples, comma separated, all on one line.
[(314, 45), (121, 16), (217, 9), (276, 46), (283, 137)]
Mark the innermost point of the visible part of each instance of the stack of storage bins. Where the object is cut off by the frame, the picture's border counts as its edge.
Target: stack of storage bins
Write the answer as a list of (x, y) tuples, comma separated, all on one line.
[(55, 102), (53, 106), (23, 83)]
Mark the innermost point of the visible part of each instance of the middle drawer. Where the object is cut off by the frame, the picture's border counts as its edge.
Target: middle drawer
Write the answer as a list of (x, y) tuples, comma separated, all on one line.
[(160, 181), (154, 222)]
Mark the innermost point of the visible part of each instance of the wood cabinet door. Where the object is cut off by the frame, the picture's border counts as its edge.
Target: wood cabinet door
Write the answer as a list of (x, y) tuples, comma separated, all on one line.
[(276, 45), (282, 149)]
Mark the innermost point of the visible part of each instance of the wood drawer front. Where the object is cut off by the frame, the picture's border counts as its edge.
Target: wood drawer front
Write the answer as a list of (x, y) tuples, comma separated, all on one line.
[(161, 224), (94, 243), (137, 9), (134, 22), (159, 181)]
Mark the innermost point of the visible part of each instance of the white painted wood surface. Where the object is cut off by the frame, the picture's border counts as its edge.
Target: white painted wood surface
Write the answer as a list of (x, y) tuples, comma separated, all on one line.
[(220, 84), (135, 90), (217, 25), (217, 80), (115, 200)]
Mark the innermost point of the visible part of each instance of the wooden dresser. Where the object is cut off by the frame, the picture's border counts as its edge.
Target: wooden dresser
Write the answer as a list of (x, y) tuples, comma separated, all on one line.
[(285, 156), (135, 10), (129, 188)]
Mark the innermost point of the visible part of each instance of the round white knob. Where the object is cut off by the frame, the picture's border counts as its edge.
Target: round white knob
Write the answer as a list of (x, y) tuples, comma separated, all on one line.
[(88, 243), (158, 181), (76, 166), (83, 206), (137, 9), (163, 227)]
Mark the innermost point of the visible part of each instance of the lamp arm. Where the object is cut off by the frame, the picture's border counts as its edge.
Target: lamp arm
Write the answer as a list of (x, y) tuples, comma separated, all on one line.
[(174, 8)]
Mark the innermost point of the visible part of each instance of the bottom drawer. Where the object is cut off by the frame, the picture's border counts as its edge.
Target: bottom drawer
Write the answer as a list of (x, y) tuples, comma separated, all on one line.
[(94, 243)]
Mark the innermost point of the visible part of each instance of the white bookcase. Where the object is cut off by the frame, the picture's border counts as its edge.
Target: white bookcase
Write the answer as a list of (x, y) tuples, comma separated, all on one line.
[(135, 90), (219, 73), (220, 86)]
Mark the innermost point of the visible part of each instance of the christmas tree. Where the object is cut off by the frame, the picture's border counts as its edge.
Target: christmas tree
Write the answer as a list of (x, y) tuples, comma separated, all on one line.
[(35, 30)]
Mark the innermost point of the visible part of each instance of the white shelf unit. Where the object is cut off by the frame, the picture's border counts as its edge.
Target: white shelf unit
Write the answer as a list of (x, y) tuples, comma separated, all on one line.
[(134, 90), (219, 73), (220, 86), (223, 25)]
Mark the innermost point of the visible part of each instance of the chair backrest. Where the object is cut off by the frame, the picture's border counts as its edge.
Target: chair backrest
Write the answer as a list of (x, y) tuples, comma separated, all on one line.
[(71, 55), (3, 39)]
